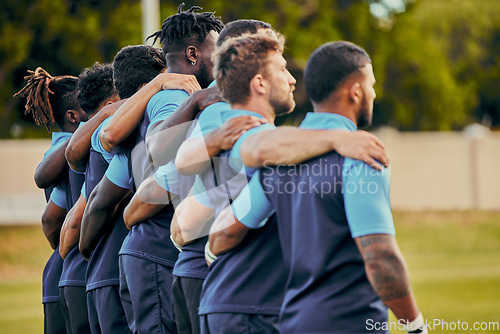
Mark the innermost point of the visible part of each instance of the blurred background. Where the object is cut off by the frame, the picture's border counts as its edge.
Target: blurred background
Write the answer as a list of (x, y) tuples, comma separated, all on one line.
[(437, 65)]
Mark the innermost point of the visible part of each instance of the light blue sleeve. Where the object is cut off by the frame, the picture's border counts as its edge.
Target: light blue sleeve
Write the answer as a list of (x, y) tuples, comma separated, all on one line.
[(82, 192), (117, 171), (252, 207), (167, 178), (200, 193), (211, 118), (163, 104), (235, 151), (96, 144), (366, 199), (58, 197), (58, 138)]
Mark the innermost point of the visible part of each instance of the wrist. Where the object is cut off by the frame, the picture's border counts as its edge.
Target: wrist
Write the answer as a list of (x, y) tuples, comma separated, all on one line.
[(209, 256), (416, 326)]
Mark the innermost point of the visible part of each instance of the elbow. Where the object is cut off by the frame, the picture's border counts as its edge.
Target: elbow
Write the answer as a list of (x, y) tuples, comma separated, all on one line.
[(40, 181), (109, 139)]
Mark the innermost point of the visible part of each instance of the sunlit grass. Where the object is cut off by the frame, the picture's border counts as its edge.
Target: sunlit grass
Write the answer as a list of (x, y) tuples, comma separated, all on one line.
[(453, 257)]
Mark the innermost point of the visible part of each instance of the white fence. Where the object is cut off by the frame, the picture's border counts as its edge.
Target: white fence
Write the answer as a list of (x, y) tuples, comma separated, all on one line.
[(433, 170)]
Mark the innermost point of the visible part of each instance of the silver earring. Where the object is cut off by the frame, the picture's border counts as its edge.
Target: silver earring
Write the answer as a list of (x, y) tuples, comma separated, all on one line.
[(193, 63)]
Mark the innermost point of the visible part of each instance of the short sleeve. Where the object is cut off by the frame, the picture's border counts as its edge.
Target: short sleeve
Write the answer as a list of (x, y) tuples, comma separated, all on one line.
[(252, 207), (235, 151), (95, 141), (118, 172), (164, 103), (82, 192), (58, 197), (200, 193), (367, 199), (166, 176)]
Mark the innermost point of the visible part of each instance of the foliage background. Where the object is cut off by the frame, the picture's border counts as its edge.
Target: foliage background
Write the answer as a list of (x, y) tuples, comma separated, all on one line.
[(437, 62)]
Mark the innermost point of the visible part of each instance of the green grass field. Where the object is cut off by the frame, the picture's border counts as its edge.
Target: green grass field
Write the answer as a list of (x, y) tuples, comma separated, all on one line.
[(454, 260)]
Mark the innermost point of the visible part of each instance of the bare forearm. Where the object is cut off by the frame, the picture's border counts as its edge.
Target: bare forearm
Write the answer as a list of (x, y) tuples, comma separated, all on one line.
[(94, 224), (194, 155), (69, 239), (137, 211), (226, 232), (285, 145), (387, 273), (52, 168), (78, 148)]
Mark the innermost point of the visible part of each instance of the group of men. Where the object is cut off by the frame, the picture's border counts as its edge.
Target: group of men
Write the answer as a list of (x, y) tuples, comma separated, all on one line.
[(185, 209)]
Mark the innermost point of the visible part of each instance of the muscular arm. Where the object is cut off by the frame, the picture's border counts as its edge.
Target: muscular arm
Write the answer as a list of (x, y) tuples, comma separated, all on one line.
[(149, 199), (387, 273), (70, 231), (226, 232), (50, 171), (52, 220), (190, 221), (99, 212), (290, 145), (129, 115), (164, 138), (77, 151), (195, 153)]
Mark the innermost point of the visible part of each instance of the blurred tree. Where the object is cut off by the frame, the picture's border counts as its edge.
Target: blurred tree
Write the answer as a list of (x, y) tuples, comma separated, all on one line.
[(436, 62)]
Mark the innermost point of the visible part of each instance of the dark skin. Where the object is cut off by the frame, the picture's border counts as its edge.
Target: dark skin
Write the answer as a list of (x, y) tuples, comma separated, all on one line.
[(387, 273), (77, 151), (70, 231), (162, 146), (99, 212), (53, 168), (52, 220)]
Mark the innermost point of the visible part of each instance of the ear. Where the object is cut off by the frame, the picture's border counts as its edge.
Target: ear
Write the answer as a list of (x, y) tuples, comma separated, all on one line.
[(355, 93), (192, 54), (73, 116), (258, 85)]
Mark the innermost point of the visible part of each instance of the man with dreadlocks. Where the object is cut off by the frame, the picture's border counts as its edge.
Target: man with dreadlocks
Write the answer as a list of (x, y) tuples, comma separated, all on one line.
[(53, 100), (146, 260), (95, 90)]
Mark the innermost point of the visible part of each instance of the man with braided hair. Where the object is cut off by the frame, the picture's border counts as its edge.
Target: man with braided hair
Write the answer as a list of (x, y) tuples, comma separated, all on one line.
[(95, 90), (53, 100), (146, 260)]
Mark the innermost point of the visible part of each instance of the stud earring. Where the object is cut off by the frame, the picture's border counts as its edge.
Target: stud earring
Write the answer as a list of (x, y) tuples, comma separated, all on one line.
[(193, 63)]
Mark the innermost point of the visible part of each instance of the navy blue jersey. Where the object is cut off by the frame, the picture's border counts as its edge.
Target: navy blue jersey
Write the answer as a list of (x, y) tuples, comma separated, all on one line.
[(52, 271), (251, 277), (75, 265), (150, 239), (103, 264)]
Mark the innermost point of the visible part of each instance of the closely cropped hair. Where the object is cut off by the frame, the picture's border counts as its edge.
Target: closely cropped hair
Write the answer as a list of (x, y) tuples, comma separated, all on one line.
[(240, 27), (184, 28), (48, 98), (135, 65), (95, 85), (330, 65), (238, 60)]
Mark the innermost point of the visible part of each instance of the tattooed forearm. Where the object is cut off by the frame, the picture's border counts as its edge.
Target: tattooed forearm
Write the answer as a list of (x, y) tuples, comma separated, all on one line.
[(384, 266)]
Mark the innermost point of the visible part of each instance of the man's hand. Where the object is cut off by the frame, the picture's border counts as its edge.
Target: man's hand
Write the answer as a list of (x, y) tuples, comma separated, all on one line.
[(225, 136), (186, 82), (209, 96), (363, 146)]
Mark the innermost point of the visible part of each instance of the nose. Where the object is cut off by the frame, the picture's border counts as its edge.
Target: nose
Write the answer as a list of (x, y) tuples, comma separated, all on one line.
[(291, 79)]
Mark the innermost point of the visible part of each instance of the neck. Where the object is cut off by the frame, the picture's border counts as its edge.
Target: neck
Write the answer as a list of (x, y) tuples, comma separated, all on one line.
[(175, 65), (257, 107), (337, 108)]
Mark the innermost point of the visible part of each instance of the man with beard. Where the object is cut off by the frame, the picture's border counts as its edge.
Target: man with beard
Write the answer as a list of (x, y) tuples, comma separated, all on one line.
[(337, 237), (252, 76)]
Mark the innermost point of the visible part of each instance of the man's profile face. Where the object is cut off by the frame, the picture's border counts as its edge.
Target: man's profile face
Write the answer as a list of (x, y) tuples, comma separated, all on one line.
[(205, 74), (282, 84), (365, 113)]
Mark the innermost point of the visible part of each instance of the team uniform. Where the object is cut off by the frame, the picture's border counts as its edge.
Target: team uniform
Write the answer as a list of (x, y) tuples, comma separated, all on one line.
[(191, 268), (244, 288), (106, 314), (147, 256), (53, 317), (321, 206)]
